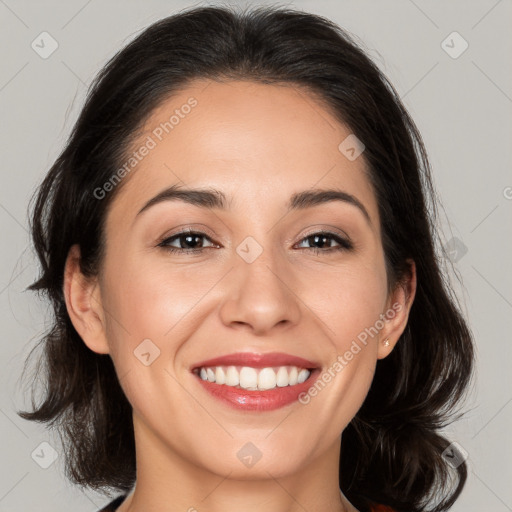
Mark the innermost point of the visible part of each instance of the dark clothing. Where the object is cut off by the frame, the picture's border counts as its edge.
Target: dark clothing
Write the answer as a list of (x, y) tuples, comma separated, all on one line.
[(112, 506)]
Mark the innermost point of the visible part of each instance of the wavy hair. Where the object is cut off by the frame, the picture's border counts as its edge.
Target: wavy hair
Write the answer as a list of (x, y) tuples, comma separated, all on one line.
[(392, 450)]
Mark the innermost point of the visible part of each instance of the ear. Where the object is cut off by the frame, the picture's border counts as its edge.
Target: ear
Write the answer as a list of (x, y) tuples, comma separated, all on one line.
[(83, 302), (397, 311)]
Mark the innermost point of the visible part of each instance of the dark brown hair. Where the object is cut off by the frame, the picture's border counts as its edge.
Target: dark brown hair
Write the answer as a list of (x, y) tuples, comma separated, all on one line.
[(392, 449)]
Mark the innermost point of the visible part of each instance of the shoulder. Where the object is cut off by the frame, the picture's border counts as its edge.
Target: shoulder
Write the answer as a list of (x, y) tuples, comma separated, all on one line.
[(112, 506)]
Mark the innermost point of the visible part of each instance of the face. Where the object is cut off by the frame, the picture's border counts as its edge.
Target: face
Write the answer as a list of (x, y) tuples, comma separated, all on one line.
[(255, 276)]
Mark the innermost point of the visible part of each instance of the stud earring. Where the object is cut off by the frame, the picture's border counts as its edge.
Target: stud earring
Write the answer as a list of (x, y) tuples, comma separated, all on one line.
[(386, 342)]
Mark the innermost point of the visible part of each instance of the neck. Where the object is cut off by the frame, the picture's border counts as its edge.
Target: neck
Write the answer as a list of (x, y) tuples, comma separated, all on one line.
[(167, 482)]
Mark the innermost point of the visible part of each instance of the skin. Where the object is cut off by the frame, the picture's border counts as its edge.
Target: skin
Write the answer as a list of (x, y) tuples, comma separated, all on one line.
[(258, 144)]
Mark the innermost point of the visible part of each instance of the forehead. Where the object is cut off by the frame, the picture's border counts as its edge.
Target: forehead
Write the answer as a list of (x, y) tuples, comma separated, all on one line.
[(257, 142)]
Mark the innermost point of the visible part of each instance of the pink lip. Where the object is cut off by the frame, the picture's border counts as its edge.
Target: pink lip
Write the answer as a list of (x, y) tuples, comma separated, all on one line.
[(256, 400), (258, 360), (248, 400)]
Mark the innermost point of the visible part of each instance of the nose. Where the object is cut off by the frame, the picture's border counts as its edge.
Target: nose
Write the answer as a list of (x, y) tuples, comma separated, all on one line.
[(260, 296)]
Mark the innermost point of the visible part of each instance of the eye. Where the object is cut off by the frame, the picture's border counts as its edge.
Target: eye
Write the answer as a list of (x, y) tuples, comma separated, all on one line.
[(323, 237), (187, 241)]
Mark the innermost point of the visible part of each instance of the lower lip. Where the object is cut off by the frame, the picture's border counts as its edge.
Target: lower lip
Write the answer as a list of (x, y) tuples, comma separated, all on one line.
[(255, 400)]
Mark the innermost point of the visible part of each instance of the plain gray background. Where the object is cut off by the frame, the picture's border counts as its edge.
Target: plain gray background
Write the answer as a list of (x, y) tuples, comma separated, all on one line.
[(461, 105)]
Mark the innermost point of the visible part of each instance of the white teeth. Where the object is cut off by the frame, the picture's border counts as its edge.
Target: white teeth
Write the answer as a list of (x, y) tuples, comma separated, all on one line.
[(267, 379), (232, 377), (248, 378), (292, 378), (220, 376), (282, 377), (303, 375), (255, 378)]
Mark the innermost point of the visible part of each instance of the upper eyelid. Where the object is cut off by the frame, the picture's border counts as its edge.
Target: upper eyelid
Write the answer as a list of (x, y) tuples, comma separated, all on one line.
[(332, 231)]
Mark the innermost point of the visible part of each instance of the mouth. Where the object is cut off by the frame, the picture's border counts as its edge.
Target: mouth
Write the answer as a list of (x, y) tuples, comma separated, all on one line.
[(256, 381), (252, 379)]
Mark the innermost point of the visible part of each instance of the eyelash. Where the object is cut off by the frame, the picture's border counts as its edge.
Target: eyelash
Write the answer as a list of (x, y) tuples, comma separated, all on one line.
[(344, 244)]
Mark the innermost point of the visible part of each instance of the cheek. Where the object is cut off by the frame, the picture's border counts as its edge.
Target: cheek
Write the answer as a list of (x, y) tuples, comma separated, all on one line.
[(150, 299), (152, 307), (149, 314), (350, 301)]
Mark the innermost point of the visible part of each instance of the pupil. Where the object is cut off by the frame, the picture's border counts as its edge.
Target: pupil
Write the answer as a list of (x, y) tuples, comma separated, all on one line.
[(318, 238), (189, 237)]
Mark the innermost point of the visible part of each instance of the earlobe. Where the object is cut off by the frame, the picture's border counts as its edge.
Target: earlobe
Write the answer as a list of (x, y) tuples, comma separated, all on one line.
[(83, 303), (397, 313)]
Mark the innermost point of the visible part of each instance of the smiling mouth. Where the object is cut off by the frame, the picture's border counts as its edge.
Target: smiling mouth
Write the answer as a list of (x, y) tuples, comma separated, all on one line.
[(254, 379)]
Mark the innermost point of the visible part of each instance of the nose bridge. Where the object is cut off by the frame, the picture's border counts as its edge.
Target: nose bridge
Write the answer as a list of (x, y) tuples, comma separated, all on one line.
[(262, 269), (261, 291)]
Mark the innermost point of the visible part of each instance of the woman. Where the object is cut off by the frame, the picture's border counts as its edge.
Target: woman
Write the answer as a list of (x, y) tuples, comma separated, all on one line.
[(239, 244)]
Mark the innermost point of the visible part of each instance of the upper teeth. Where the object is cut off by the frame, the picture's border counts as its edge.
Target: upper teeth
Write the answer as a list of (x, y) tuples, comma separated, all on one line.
[(255, 378)]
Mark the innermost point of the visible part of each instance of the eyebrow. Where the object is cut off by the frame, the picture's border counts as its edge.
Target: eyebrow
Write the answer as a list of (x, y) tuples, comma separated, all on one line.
[(211, 198)]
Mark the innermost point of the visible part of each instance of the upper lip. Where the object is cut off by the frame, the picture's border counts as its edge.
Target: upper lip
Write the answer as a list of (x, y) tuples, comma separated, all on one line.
[(257, 360)]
